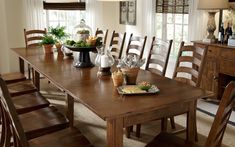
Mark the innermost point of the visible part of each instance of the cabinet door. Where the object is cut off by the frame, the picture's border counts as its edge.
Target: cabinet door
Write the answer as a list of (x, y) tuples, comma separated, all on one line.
[(210, 76)]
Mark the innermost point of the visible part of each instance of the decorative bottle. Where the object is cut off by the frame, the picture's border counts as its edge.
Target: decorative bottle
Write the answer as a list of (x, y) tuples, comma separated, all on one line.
[(221, 34)]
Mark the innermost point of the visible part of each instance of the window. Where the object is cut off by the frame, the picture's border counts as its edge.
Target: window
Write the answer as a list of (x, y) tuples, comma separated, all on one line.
[(68, 18), (172, 23), (64, 14)]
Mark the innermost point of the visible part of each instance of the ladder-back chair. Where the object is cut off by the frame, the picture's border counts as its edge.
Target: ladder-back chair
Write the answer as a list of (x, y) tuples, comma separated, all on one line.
[(217, 130), (116, 44), (136, 45), (102, 34)]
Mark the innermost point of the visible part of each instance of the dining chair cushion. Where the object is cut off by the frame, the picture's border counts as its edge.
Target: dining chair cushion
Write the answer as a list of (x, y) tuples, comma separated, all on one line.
[(70, 137), (20, 88), (42, 121), (29, 102)]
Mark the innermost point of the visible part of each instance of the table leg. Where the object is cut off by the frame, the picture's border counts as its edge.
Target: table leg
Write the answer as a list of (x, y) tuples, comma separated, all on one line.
[(191, 122), (115, 132), (164, 124), (36, 79), (70, 109), (21, 65)]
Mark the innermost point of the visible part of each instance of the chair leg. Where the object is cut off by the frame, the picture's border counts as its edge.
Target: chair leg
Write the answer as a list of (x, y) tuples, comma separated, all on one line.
[(172, 120), (164, 124), (29, 72), (138, 129), (128, 131)]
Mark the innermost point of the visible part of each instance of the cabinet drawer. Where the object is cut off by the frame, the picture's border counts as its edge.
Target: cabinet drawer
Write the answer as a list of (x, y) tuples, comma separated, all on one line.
[(228, 54), (227, 67), (212, 51)]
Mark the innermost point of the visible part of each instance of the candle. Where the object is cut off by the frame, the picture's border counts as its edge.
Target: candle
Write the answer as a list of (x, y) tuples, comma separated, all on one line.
[(104, 61)]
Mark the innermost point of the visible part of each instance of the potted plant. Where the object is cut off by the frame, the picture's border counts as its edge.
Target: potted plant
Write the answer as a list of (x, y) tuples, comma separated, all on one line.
[(47, 42), (59, 34)]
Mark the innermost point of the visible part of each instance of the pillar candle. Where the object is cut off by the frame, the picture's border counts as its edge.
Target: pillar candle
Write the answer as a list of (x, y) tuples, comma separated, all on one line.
[(104, 61)]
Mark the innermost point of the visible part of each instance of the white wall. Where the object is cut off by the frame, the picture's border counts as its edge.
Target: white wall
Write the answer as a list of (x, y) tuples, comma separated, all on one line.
[(4, 64), (11, 28)]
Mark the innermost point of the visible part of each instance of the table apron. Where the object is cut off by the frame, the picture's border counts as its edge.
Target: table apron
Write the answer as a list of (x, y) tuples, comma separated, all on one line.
[(171, 110)]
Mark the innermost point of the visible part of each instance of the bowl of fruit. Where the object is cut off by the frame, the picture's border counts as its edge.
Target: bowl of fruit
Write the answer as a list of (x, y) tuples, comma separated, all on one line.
[(144, 85)]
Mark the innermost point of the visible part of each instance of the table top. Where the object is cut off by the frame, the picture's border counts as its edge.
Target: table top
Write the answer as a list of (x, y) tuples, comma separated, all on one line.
[(99, 94)]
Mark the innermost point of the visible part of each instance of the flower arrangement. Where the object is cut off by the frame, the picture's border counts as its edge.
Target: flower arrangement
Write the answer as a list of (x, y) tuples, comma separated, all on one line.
[(130, 61), (130, 66)]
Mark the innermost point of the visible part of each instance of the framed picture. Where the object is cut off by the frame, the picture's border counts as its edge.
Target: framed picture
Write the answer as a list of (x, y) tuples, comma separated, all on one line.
[(128, 12)]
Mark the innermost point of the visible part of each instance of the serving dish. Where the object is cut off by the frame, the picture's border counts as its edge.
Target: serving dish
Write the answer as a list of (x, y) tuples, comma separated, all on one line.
[(134, 89)]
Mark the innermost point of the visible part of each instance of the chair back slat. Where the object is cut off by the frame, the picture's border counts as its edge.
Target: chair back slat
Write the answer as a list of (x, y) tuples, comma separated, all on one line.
[(158, 56), (116, 44), (136, 45), (102, 34), (11, 122), (33, 37), (222, 117), (190, 63)]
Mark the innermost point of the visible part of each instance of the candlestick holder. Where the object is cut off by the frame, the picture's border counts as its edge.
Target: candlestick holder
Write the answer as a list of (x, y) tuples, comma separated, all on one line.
[(104, 71), (104, 61)]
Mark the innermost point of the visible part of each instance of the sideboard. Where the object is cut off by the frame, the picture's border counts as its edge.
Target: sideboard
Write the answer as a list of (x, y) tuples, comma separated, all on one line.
[(219, 68)]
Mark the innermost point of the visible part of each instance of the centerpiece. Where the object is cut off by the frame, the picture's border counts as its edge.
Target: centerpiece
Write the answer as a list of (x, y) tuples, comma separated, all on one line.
[(130, 66), (83, 31), (84, 44)]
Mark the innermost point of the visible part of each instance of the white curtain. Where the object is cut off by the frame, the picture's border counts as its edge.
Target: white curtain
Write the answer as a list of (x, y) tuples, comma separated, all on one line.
[(94, 14), (148, 23), (149, 18), (34, 15), (197, 22)]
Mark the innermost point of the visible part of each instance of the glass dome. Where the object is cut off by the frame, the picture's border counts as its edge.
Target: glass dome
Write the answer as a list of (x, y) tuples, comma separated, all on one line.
[(82, 30)]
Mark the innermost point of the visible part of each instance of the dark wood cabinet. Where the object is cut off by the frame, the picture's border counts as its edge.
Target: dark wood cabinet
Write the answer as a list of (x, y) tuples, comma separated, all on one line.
[(219, 67)]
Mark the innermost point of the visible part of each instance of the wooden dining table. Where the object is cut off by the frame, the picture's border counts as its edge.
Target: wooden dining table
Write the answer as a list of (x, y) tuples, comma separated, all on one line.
[(100, 96)]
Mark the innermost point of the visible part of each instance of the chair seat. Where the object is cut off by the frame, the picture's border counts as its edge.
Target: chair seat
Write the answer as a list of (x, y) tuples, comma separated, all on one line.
[(42, 121), (21, 88), (30, 102), (169, 140), (13, 77), (70, 137)]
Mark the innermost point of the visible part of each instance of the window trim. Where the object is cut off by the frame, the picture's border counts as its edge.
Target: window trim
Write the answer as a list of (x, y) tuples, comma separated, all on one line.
[(64, 6)]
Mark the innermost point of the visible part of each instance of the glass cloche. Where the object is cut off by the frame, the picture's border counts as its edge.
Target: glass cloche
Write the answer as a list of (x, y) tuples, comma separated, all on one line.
[(83, 31)]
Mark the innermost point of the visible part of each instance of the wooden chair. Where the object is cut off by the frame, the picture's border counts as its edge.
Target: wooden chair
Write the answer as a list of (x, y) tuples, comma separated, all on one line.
[(158, 56), (32, 40), (136, 45), (13, 77), (191, 74), (33, 37), (102, 34), (189, 67), (116, 44), (20, 88), (157, 63), (13, 133), (217, 130), (35, 123)]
